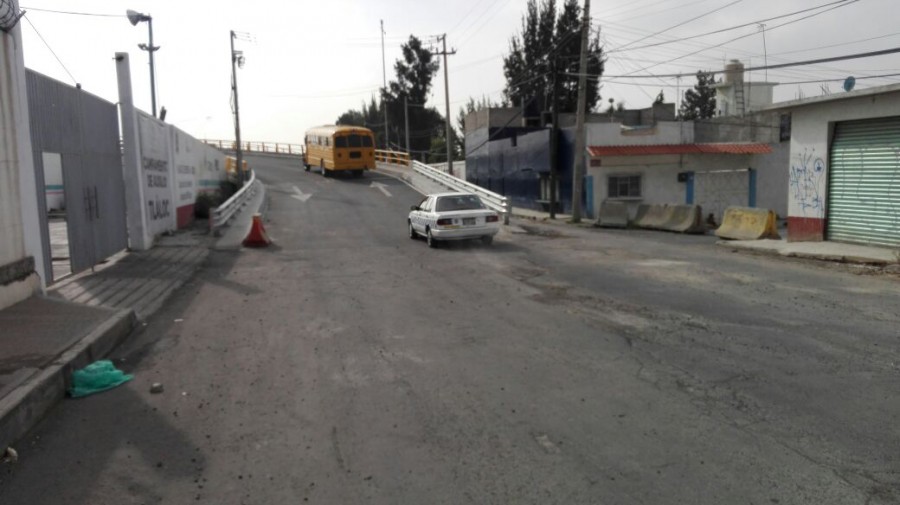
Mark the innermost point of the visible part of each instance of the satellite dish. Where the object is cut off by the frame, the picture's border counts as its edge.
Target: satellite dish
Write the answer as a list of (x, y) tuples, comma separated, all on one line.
[(849, 83)]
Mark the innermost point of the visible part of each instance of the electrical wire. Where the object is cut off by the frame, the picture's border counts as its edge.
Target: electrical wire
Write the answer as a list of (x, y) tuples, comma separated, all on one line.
[(73, 13), (842, 4), (63, 65), (838, 3), (622, 48)]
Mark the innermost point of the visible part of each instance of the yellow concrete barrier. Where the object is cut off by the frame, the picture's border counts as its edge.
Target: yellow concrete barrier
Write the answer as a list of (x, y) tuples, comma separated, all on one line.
[(677, 218), (745, 223)]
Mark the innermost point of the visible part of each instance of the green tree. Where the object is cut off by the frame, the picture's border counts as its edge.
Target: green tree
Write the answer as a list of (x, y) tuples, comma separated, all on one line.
[(548, 41), (700, 102), (415, 73)]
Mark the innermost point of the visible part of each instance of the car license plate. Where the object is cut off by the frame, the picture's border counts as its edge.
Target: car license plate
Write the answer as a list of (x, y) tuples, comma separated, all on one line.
[(468, 220)]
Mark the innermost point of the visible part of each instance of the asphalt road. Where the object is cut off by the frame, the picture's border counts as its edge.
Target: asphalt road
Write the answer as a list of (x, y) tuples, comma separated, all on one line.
[(350, 364)]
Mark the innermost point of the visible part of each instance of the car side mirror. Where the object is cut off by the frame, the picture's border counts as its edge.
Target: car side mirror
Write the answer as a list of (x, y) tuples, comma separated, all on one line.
[(414, 207)]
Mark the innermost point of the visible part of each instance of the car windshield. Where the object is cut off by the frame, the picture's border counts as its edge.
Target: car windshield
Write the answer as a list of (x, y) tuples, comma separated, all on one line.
[(459, 202)]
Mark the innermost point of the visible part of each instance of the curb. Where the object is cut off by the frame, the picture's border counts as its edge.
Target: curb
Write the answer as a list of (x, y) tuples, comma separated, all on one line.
[(26, 405), (834, 258)]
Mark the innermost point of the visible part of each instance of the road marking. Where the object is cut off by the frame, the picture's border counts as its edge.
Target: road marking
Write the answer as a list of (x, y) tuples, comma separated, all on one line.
[(299, 195), (382, 188)]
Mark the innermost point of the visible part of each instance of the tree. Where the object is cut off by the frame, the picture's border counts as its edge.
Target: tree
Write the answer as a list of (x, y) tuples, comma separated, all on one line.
[(548, 41), (415, 73), (700, 102)]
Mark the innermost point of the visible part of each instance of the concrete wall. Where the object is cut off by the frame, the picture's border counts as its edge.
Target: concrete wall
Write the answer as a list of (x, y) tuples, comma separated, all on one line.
[(20, 241), (511, 163), (659, 179), (720, 180), (772, 170), (664, 132), (812, 129), (757, 95), (493, 117), (198, 168)]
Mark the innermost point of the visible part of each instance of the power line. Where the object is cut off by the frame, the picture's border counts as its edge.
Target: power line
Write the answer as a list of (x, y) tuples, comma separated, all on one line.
[(769, 67), (52, 52), (789, 83), (622, 48), (752, 23), (73, 13), (841, 2)]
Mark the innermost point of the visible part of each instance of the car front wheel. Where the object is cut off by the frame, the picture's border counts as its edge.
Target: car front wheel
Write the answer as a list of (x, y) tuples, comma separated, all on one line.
[(412, 231)]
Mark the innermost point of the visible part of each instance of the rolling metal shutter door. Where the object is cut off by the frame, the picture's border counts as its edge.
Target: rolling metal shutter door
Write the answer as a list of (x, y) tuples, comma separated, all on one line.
[(864, 182)]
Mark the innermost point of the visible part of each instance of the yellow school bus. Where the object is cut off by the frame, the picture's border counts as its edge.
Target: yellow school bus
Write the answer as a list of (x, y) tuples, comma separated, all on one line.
[(334, 149)]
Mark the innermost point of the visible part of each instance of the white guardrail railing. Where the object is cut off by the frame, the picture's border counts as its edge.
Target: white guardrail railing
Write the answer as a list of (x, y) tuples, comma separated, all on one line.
[(493, 200), (221, 214)]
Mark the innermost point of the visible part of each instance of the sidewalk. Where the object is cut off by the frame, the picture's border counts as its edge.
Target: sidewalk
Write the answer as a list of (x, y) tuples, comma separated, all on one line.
[(82, 319), (825, 251)]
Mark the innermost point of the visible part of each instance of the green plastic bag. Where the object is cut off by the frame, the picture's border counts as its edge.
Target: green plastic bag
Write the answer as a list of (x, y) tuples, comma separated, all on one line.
[(97, 377)]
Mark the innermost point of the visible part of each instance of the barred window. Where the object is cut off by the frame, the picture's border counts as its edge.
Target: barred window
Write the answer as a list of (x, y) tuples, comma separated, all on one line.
[(624, 186)]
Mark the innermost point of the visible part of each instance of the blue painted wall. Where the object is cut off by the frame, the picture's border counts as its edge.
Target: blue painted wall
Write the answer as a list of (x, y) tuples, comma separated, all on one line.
[(514, 167)]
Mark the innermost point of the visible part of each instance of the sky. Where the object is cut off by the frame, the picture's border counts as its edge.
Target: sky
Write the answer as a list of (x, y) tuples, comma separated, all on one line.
[(307, 62)]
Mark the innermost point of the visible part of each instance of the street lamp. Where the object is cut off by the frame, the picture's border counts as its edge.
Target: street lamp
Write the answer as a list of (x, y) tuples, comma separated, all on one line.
[(136, 17)]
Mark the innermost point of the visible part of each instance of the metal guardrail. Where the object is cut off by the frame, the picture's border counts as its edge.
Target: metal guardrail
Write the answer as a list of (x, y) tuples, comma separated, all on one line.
[(493, 200), (260, 147), (221, 214), (393, 157)]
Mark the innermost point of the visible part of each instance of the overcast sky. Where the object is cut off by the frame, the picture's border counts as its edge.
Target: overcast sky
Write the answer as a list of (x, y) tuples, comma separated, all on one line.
[(311, 61)]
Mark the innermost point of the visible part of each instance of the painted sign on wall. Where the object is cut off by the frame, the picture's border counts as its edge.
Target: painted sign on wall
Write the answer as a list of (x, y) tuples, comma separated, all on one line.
[(156, 174)]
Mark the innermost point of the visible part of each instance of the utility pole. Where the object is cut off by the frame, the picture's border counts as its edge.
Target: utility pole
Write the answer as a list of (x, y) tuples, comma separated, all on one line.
[(578, 172), (238, 152), (554, 141), (406, 120), (447, 105), (387, 141)]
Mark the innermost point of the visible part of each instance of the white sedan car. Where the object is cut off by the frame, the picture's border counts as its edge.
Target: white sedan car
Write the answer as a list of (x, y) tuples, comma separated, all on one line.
[(452, 216)]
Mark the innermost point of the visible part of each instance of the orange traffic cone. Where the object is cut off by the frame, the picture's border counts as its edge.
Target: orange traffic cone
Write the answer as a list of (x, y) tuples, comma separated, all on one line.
[(257, 236)]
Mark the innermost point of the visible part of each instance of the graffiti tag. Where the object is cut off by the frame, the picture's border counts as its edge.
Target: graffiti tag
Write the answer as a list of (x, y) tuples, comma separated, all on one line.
[(807, 184)]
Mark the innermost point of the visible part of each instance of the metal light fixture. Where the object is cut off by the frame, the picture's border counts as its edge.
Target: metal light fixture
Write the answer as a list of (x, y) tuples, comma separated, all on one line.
[(9, 14), (134, 18)]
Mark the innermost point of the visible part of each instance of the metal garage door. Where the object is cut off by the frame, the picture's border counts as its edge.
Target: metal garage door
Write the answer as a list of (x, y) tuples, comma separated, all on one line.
[(864, 182)]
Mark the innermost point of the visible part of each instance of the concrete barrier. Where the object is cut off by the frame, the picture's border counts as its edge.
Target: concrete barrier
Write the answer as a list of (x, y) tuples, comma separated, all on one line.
[(613, 215), (677, 218), (745, 223)]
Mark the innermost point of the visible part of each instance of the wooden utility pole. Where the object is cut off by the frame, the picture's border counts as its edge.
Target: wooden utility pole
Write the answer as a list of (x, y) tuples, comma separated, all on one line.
[(387, 138), (554, 141), (578, 172), (449, 140)]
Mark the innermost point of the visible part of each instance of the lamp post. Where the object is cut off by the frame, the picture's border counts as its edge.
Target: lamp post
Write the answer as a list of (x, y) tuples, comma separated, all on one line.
[(136, 17)]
